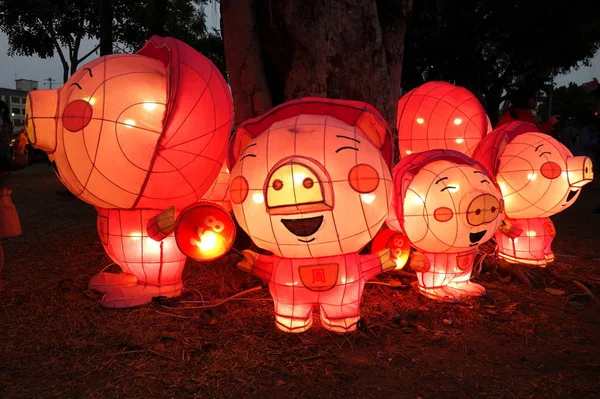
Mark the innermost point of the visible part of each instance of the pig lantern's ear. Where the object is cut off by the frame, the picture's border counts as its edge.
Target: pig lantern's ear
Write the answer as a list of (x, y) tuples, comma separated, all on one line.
[(237, 143), (376, 130)]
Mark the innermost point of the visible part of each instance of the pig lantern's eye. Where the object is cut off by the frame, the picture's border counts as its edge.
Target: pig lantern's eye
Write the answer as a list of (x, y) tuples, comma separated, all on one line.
[(77, 115), (277, 184)]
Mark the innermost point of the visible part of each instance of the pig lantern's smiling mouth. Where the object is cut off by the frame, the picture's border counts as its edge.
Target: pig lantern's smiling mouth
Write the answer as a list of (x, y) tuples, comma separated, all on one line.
[(572, 194), (303, 227), (476, 237)]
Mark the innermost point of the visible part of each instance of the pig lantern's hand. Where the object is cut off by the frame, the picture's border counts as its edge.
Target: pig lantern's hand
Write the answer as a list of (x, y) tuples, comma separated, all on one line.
[(418, 262), (385, 257), (249, 260)]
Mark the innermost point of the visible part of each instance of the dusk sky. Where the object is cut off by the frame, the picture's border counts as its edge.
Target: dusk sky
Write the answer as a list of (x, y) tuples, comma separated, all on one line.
[(39, 69)]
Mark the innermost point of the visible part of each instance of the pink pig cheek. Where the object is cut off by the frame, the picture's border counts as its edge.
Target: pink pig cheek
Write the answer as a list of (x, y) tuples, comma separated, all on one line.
[(443, 214), (363, 178), (238, 190), (550, 170), (77, 115)]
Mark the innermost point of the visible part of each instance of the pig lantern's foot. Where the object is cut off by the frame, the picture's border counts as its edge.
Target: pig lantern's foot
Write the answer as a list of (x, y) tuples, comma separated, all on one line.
[(444, 294), (105, 282), (292, 324), (141, 294), (468, 288), (344, 325)]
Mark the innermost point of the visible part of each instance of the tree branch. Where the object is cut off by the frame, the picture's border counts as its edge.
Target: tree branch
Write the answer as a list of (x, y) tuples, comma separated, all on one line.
[(88, 54)]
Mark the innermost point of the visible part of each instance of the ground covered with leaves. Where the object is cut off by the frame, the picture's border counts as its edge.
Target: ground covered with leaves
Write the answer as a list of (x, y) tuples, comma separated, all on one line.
[(541, 341)]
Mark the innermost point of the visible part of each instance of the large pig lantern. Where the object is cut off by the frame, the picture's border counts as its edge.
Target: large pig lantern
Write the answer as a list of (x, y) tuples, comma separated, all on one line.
[(309, 184), (139, 136), (447, 205), (539, 177), (439, 115)]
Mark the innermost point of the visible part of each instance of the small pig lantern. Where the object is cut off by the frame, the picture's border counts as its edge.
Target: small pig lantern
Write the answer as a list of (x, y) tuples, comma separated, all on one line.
[(539, 177), (439, 115), (310, 185), (139, 136), (446, 204)]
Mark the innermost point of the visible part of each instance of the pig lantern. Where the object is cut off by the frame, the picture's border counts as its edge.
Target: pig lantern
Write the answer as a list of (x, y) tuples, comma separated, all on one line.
[(446, 204), (439, 115), (138, 136), (539, 177), (309, 184)]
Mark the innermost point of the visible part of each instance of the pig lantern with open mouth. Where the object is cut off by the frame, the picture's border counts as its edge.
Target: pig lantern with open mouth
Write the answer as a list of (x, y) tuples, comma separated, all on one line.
[(446, 204), (309, 183), (138, 136), (539, 177)]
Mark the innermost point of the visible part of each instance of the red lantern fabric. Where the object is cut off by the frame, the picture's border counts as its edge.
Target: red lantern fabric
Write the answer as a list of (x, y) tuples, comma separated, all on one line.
[(309, 183), (539, 177), (398, 244), (218, 192), (133, 135), (439, 115), (446, 204), (205, 231)]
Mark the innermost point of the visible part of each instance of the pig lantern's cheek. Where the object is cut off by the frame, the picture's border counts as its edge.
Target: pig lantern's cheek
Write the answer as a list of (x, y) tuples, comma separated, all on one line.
[(443, 214), (238, 190), (363, 178), (77, 115), (550, 170)]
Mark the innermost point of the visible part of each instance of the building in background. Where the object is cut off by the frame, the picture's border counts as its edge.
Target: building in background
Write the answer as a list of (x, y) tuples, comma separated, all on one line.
[(15, 99)]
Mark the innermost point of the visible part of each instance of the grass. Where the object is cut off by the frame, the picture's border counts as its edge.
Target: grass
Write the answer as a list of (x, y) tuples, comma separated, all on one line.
[(57, 342)]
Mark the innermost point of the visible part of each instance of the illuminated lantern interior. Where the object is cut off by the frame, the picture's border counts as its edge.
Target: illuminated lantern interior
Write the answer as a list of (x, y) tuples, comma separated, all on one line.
[(439, 115), (309, 183), (136, 135), (218, 192), (205, 231), (398, 244), (539, 177), (446, 204)]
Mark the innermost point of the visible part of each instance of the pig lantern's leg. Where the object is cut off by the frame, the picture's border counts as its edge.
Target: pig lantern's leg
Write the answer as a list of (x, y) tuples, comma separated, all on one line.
[(463, 284)]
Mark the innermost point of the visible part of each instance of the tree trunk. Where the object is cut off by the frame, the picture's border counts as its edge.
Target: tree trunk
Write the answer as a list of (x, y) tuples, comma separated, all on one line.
[(106, 27), (277, 51), (157, 21)]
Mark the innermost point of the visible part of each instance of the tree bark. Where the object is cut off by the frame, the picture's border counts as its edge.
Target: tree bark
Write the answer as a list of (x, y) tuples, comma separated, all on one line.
[(106, 27), (277, 51), (157, 21)]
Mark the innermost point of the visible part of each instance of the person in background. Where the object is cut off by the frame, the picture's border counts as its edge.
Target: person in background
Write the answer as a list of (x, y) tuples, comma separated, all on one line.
[(522, 101)]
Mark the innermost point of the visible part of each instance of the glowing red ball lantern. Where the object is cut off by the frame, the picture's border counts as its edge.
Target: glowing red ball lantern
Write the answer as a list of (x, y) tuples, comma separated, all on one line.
[(309, 183), (138, 136), (398, 244), (439, 115), (204, 231), (446, 204), (539, 177)]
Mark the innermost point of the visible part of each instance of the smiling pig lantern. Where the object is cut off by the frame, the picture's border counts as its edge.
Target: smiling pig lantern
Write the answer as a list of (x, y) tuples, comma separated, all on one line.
[(138, 136), (447, 205), (539, 177), (309, 184)]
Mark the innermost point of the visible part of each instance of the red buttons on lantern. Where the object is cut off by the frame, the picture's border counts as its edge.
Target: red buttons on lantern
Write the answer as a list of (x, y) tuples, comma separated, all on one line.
[(204, 231), (77, 115), (550, 170), (363, 178)]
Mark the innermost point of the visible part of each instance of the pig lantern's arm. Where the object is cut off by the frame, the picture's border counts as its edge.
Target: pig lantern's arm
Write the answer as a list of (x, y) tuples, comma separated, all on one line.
[(162, 225), (259, 265), (509, 228), (374, 264)]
